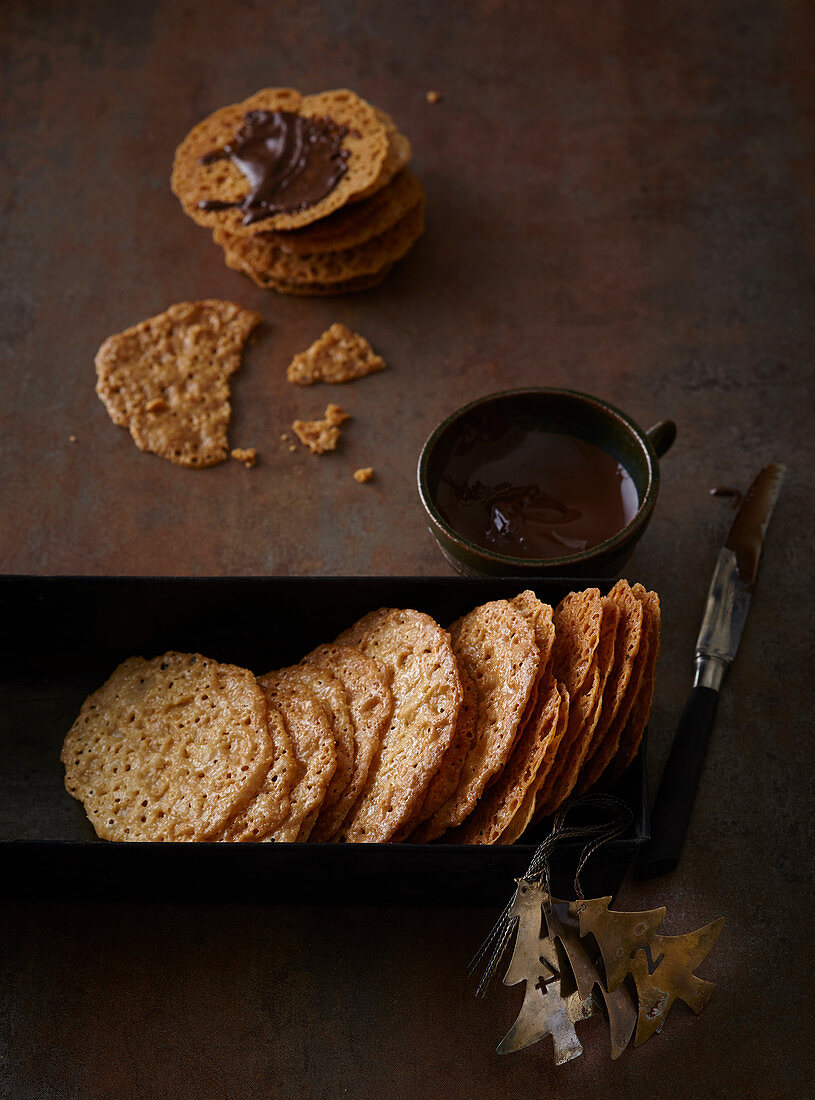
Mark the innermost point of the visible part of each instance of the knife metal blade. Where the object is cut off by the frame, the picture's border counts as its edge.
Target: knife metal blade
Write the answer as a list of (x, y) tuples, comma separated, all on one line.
[(728, 601), (728, 598)]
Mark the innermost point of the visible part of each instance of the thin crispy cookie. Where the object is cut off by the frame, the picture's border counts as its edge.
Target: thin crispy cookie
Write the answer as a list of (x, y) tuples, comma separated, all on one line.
[(616, 696), (496, 809), (167, 379), (640, 712), (445, 781), (264, 259), (585, 706), (526, 811), (396, 158), (330, 692), (426, 696), (495, 643), (354, 224), (339, 355), (194, 182), (313, 742), (540, 615), (271, 805), (371, 706), (168, 749), (311, 290), (578, 618), (501, 799)]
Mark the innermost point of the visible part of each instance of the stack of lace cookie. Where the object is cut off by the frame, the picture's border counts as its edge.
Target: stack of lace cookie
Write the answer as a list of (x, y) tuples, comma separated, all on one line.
[(306, 195)]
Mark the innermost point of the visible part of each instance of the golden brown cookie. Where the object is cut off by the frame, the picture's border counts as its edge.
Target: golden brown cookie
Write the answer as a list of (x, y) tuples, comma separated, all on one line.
[(501, 799), (427, 696), (263, 260), (634, 728), (526, 811), (339, 355), (327, 688), (495, 644), (167, 379), (540, 615), (445, 781), (396, 158), (313, 742), (321, 436), (314, 290), (271, 805), (197, 179), (371, 705), (496, 808), (168, 749), (356, 223), (577, 623), (616, 696)]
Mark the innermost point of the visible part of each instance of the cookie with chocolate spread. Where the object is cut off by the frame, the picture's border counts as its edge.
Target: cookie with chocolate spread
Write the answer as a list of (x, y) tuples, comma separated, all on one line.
[(279, 160)]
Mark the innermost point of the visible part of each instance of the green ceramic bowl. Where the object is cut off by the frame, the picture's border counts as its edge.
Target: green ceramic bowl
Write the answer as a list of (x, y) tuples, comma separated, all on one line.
[(553, 410)]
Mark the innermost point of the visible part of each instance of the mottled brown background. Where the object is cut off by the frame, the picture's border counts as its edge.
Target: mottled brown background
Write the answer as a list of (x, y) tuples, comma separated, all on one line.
[(620, 200)]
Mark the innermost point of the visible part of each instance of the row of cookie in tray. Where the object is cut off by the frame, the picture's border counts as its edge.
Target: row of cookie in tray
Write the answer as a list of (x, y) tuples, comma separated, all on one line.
[(399, 730)]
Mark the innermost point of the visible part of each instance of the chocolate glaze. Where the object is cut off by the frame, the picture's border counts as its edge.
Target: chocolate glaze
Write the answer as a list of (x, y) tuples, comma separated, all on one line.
[(746, 536), (291, 162), (529, 493)]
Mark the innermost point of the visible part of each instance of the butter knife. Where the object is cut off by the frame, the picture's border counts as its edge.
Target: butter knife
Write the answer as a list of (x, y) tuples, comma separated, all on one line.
[(728, 601)]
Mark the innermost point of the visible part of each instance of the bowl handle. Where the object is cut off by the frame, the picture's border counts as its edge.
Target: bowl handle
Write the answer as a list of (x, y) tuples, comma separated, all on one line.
[(662, 436)]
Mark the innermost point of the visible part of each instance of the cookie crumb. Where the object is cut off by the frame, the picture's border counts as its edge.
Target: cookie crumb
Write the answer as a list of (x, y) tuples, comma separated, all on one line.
[(364, 474), (433, 97), (321, 436), (284, 437), (292, 447), (247, 455), (157, 404), (72, 439), (339, 355)]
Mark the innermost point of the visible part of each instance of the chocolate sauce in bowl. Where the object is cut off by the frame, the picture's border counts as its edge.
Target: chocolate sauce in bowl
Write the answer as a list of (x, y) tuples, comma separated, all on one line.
[(531, 493)]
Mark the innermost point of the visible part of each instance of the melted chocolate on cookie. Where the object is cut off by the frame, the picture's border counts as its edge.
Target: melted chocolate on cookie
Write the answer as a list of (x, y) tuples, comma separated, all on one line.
[(291, 162)]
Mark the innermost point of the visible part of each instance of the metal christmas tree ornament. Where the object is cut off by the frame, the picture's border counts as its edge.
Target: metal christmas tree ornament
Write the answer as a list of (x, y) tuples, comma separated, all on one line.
[(579, 957)]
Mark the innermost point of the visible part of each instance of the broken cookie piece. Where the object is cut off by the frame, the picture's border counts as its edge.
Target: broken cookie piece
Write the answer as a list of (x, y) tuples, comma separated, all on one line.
[(167, 379), (247, 455), (338, 356), (364, 474), (321, 435)]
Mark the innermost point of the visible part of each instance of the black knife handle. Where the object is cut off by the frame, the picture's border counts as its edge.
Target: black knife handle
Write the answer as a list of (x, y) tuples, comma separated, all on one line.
[(677, 791)]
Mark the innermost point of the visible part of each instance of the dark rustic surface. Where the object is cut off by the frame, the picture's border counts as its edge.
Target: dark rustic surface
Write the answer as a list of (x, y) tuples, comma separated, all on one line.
[(620, 200)]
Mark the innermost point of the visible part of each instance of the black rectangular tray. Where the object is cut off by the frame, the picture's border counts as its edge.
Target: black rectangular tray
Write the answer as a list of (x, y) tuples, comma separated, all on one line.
[(62, 638)]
